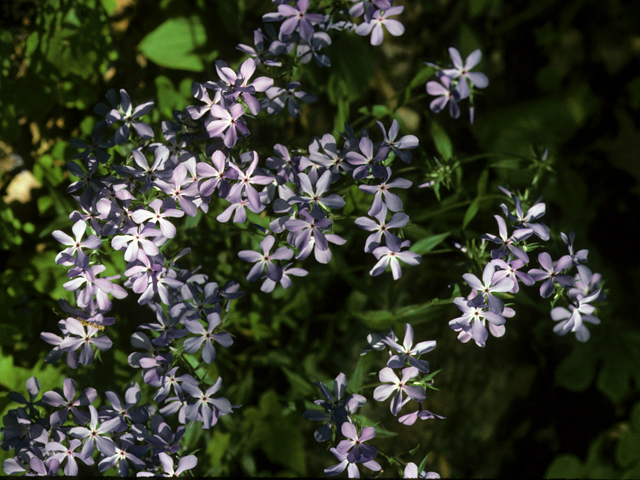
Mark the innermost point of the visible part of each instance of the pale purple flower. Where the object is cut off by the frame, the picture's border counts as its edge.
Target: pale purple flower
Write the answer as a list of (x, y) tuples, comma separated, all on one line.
[(202, 406), (391, 200), (446, 92), (48, 468), (200, 92), (229, 122), (280, 96), (237, 84), (173, 381), (587, 283), (507, 242), (87, 397), (510, 270), (551, 273), (127, 452), (181, 189), (218, 175), (490, 284), (298, 19), (146, 172), (268, 285), (380, 18), (259, 54), (398, 220), (390, 255), (355, 443), (96, 434), (350, 462), (98, 287), (265, 260), (193, 344), (135, 241), (367, 159), (166, 227), (332, 159), (237, 209), (525, 221), (394, 384), (126, 412), (367, 7), (127, 114), (314, 195), (461, 70), (408, 352), (578, 257), (411, 418), (407, 142), (84, 340), (67, 256), (473, 320), (574, 320), (246, 179), (68, 454), (184, 464), (411, 471)]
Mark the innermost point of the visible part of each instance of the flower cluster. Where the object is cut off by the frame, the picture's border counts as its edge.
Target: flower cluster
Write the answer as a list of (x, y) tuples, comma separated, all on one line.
[(502, 276), (340, 409), (457, 83), (133, 188)]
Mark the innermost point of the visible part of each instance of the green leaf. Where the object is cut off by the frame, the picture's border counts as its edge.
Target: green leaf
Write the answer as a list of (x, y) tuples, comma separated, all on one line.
[(269, 423), (471, 212), (172, 43), (565, 466), (233, 14), (352, 64), (300, 385), (628, 449), (441, 140), (620, 357), (508, 163), (427, 244), (482, 182), (576, 371), (362, 368), (421, 77), (109, 6), (380, 431), (378, 319)]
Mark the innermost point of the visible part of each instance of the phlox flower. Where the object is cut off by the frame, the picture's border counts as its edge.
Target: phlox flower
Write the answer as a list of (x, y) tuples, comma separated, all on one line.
[(400, 386), (574, 320), (551, 273), (350, 462), (490, 284), (184, 464), (389, 255), (67, 256), (380, 18), (411, 471), (193, 344), (446, 92), (354, 445), (265, 259), (461, 70), (408, 352), (473, 320)]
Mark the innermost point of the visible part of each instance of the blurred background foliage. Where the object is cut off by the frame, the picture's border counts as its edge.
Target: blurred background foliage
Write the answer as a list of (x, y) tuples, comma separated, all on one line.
[(564, 76)]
